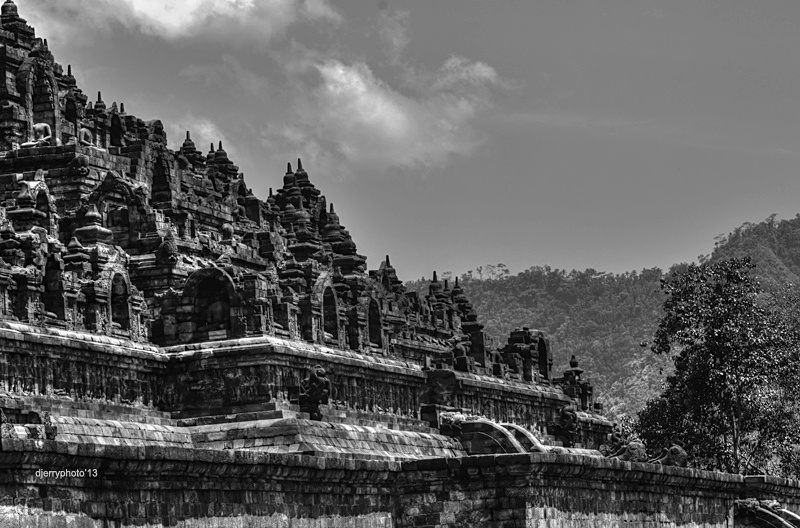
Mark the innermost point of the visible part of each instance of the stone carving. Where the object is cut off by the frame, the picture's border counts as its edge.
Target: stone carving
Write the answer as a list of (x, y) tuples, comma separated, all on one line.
[(79, 166), (765, 512), (624, 444), (565, 428), (85, 136), (314, 391), (6, 428), (630, 448), (167, 253), (42, 136), (674, 455), (634, 451), (103, 322)]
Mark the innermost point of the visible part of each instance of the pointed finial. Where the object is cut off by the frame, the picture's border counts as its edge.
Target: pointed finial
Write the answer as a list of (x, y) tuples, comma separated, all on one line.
[(299, 165), (212, 147), (220, 145), (332, 207), (387, 261), (187, 136), (69, 70), (122, 108), (456, 282), (288, 167), (434, 277), (45, 43), (74, 244), (9, 8), (99, 96), (270, 191)]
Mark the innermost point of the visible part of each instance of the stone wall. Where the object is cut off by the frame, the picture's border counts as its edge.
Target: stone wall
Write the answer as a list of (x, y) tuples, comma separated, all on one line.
[(174, 487), (785, 491), (203, 379), (79, 365), (511, 401), (255, 370), (562, 491)]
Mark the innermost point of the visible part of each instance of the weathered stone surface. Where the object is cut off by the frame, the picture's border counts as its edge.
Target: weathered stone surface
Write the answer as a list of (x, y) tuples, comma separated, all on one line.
[(158, 323), (104, 229)]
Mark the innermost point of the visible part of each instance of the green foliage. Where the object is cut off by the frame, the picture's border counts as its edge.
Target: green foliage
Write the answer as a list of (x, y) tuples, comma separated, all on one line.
[(730, 399), (774, 246), (601, 318), (604, 318)]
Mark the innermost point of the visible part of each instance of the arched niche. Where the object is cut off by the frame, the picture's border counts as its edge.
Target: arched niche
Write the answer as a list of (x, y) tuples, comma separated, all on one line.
[(53, 297), (43, 202), (22, 297), (120, 307), (121, 206), (213, 304), (162, 177), (71, 111), (37, 85), (330, 316), (117, 132), (322, 216), (71, 115), (374, 324), (44, 102)]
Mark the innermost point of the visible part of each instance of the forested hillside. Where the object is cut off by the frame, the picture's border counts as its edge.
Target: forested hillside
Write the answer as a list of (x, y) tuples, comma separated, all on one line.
[(608, 320), (773, 245)]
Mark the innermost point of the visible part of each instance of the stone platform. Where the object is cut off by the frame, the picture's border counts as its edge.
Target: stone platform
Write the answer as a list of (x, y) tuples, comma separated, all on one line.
[(169, 487)]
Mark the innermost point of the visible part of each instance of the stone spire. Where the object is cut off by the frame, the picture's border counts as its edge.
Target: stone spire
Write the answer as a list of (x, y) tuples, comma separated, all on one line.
[(69, 78), (301, 174), (288, 178), (100, 106), (188, 145), (221, 157), (9, 9)]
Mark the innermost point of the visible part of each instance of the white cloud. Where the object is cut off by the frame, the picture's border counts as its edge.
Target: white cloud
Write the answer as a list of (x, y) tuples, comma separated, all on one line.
[(348, 117), (458, 73), (326, 105), (231, 21), (393, 31), (321, 10)]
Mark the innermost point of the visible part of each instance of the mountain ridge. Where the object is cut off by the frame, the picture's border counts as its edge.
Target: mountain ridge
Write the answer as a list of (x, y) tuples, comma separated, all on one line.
[(608, 319)]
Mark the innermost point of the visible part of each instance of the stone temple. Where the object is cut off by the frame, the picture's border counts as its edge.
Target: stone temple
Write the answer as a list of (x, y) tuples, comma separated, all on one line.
[(177, 352)]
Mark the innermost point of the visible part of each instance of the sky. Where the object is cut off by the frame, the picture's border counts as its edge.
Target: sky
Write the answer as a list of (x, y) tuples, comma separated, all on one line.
[(607, 134)]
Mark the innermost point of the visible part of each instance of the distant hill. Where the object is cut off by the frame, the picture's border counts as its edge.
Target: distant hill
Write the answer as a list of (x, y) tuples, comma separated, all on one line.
[(773, 245), (607, 320)]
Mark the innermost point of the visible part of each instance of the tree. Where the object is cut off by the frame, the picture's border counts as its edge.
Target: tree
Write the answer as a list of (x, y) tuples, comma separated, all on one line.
[(730, 399)]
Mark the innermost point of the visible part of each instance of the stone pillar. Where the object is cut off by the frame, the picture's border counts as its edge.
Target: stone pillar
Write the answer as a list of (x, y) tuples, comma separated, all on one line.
[(98, 319), (357, 324)]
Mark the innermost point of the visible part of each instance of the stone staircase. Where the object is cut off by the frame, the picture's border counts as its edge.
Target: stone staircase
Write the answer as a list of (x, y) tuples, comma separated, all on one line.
[(276, 427)]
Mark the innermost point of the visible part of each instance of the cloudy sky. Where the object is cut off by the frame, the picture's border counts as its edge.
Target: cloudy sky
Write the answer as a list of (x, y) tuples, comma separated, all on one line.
[(609, 134)]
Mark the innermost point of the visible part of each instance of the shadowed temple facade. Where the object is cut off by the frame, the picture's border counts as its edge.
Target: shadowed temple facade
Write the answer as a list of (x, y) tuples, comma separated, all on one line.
[(176, 351)]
